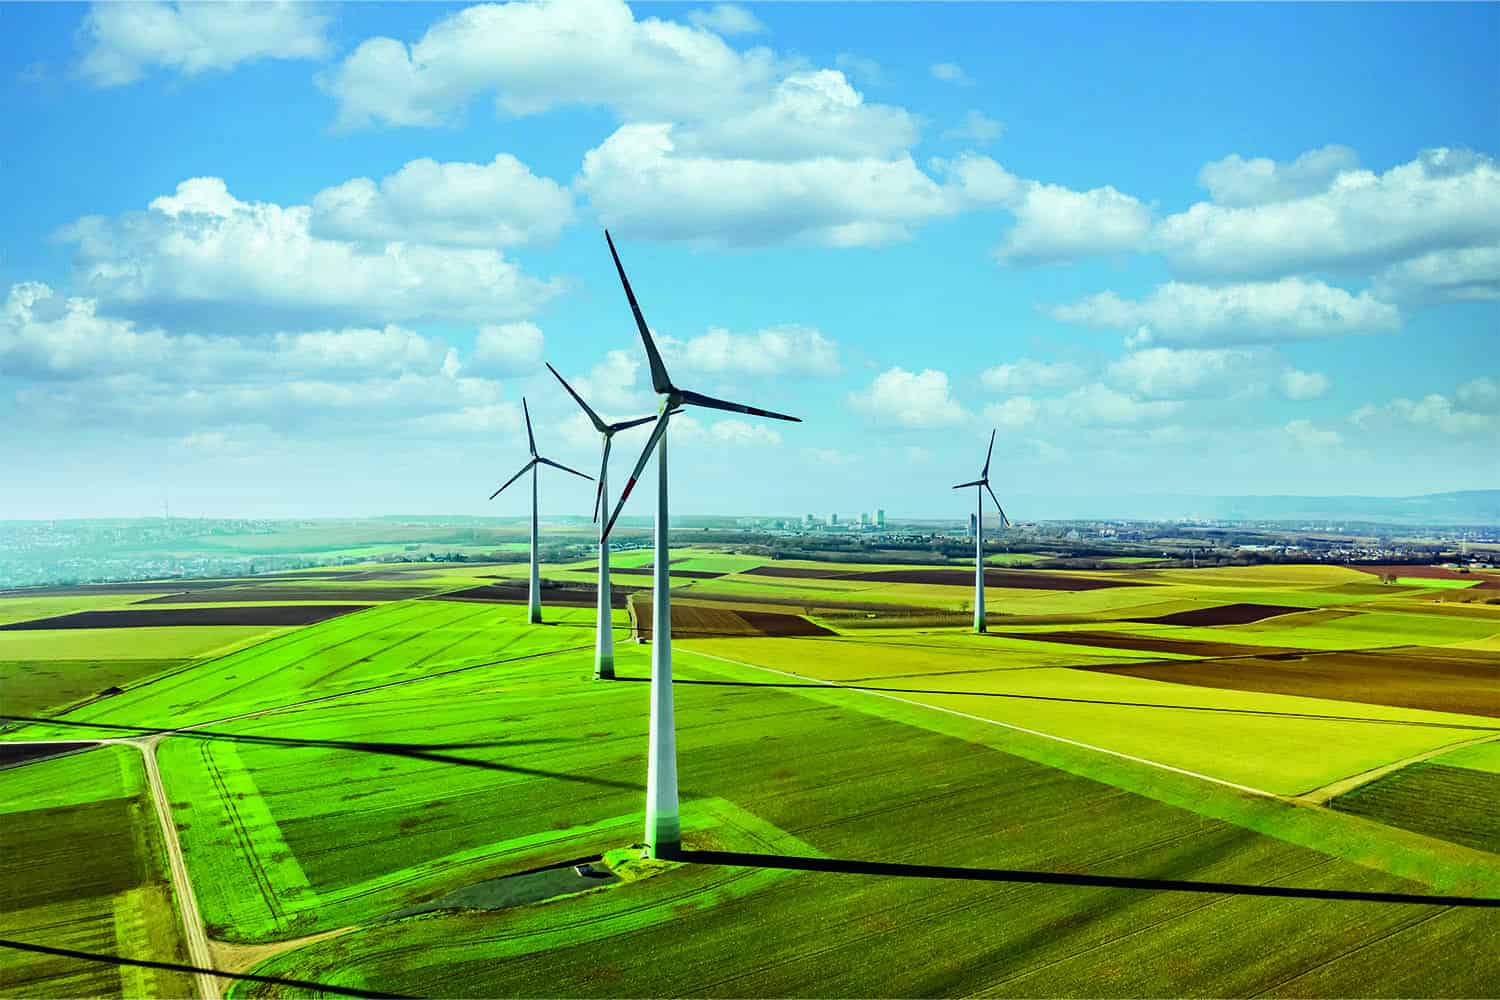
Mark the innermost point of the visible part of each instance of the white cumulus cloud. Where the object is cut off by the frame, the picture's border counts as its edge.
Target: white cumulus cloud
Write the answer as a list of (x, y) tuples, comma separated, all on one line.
[(916, 400), (1254, 312), (124, 41), (1445, 199), (1013, 413), (1165, 373), (1027, 375), (1471, 274), (1056, 224), (777, 350), (258, 263), (1099, 405), (976, 127), (1309, 437), (727, 19), (1236, 182), (640, 182), (508, 348), (500, 203), (1300, 385), (534, 56), (949, 72)]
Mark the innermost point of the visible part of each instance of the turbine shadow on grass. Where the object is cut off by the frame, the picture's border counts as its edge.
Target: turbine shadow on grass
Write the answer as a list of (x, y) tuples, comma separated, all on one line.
[(788, 862), (416, 751), (89, 956), (1082, 701)]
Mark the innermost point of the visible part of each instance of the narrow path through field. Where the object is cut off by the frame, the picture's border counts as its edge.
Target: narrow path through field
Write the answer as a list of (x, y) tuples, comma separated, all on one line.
[(187, 898), (1320, 796)]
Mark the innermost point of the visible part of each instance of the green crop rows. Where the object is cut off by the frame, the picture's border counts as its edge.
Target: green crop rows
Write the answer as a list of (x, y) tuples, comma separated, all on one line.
[(83, 871)]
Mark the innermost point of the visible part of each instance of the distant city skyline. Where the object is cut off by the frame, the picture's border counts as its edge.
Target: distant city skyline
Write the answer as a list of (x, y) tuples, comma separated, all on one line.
[(301, 260)]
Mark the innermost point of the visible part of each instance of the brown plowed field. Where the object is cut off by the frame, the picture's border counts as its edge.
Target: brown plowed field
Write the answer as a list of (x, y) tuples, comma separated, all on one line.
[(1148, 643), (269, 615), (1409, 677), (1012, 579), (693, 622), (819, 605), (1224, 614), (12, 754), (330, 592), (556, 593), (798, 572), (1418, 572)]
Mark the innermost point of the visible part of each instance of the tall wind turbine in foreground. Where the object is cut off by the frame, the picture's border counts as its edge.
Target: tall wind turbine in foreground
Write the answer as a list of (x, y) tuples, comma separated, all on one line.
[(981, 484), (604, 640), (534, 614), (663, 830)]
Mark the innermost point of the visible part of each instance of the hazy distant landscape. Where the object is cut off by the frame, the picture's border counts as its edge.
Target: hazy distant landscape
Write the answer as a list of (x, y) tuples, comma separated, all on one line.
[(1422, 529)]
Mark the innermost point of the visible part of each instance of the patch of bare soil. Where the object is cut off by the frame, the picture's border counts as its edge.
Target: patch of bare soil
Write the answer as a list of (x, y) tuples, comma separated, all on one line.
[(253, 614), (1224, 614)]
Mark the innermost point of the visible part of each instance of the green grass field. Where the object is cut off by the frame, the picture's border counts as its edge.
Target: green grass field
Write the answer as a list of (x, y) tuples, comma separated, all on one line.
[(889, 810)]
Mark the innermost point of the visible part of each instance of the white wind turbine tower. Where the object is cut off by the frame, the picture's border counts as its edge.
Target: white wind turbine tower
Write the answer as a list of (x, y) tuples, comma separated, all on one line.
[(981, 484), (534, 614), (663, 828), (604, 641)]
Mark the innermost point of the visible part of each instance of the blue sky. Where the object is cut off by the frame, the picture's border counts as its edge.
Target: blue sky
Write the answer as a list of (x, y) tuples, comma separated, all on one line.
[(306, 260)]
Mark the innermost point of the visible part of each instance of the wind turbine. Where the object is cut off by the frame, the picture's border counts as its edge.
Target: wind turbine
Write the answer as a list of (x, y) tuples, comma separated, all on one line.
[(534, 612), (604, 641), (663, 828), (981, 485)]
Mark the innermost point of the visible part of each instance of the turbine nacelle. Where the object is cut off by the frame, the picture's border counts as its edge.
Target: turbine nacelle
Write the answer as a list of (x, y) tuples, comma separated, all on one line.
[(535, 458), (983, 482)]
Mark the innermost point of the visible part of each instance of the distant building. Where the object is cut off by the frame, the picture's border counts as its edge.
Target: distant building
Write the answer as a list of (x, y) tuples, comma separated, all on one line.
[(833, 519), (973, 525), (880, 519), (864, 520)]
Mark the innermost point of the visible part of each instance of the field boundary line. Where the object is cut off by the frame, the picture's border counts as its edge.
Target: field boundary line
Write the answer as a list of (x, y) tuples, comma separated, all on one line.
[(1261, 792), (1323, 794)]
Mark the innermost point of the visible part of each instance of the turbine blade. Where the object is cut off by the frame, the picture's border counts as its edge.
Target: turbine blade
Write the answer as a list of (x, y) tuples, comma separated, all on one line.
[(512, 479), (603, 468), (986, 473), (599, 425), (530, 439), (559, 465), (698, 399), (625, 425), (1003, 522), (977, 482), (659, 380), (656, 433)]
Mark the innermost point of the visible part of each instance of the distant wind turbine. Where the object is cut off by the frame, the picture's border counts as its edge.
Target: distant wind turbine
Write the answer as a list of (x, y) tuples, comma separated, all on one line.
[(663, 828), (604, 641), (981, 485), (534, 613)]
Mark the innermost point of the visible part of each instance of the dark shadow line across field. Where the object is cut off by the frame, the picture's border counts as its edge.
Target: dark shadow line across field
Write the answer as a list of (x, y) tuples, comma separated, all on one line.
[(851, 867), (1083, 701), (89, 956), (416, 751)]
